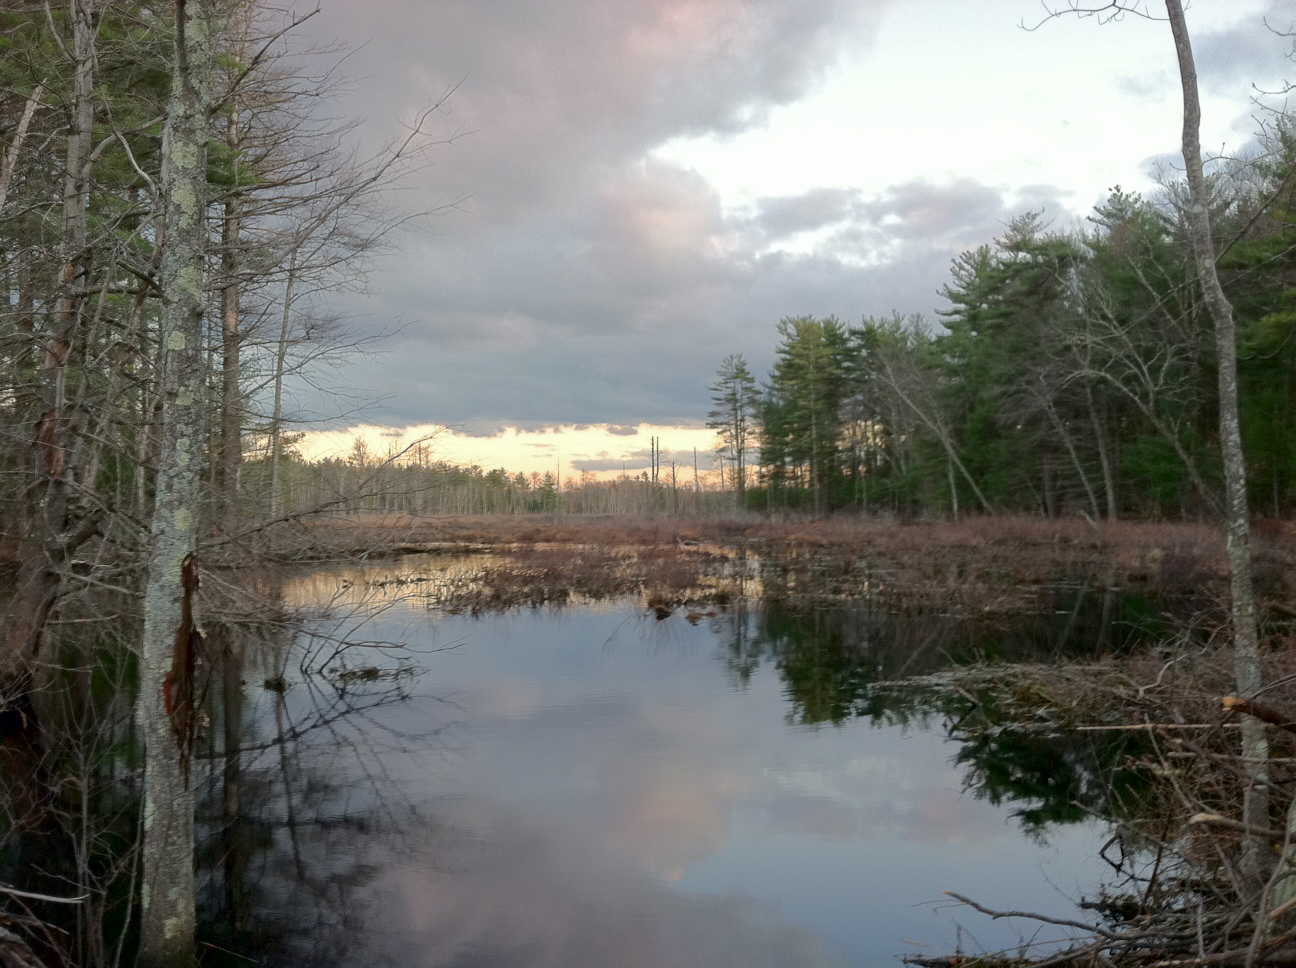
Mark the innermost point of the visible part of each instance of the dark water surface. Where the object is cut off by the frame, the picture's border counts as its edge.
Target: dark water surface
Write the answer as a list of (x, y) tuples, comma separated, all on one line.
[(592, 788)]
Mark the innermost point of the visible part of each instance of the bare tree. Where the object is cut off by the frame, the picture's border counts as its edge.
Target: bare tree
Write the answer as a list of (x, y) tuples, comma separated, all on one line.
[(1246, 656), (899, 370)]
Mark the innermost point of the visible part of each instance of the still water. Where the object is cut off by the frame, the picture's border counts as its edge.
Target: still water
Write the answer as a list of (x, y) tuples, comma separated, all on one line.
[(593, 787)]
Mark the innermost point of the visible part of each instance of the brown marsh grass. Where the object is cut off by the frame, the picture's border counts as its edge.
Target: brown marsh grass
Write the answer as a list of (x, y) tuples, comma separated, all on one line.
[(980, 563)]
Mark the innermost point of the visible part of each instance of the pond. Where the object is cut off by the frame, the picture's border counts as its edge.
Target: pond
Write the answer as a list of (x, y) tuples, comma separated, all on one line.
[(593, 786)]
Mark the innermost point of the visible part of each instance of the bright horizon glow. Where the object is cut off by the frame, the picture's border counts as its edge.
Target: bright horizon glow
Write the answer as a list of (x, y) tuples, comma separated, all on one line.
[(565, 450)]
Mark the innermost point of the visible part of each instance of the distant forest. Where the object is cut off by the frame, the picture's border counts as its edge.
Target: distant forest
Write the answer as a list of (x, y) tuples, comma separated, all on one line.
[(1074, 373)]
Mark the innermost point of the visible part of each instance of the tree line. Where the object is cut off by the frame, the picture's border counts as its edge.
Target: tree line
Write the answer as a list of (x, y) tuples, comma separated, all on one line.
[(414, 482), (1074, 372)]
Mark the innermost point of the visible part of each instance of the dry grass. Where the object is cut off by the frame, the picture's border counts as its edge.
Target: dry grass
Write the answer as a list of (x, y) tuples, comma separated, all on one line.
[(978, 564)]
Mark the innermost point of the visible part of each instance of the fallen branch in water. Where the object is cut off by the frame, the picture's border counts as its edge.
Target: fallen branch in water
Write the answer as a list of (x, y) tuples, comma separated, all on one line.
[(1031, 915), (1153, 727)]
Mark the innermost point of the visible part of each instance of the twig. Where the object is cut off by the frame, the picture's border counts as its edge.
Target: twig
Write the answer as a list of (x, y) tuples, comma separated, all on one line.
[(1144, 727), (1219, 820), (14, 892), (1062, 922)]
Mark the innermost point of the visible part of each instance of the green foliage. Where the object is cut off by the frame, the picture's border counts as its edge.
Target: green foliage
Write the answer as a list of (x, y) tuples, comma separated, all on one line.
[(801, 413), (1152, 469), (1075, 372), (733, 416)]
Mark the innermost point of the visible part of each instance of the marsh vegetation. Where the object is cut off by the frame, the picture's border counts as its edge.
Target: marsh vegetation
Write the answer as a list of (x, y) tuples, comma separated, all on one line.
[(1062, 679)]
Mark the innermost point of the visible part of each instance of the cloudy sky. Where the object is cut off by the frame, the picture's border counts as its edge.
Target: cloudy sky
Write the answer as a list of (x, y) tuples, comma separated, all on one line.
[(632, 189)]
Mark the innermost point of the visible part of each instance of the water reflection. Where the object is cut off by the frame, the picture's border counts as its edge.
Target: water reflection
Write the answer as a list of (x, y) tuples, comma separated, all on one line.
[(840, 664), (594, 787), (514, 887), (296, 794)]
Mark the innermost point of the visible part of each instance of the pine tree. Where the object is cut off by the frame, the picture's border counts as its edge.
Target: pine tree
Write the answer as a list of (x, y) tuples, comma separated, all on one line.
[(734, 417)]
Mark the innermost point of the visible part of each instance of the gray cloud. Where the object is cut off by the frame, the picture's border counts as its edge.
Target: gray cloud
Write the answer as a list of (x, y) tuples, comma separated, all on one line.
[(579, 282), (1250, 57), (636, 461), (604, 464), (1243, 56), (621, 313), (1147, 86), (513, 894), (820, 207), (555, 92)]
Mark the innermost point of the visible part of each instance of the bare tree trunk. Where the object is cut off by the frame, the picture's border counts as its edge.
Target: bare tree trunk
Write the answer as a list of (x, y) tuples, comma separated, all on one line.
[(936, 426), (239, 31), (231, 464), (9, 165), (1246, 657), (276, 419), (232, 639), (167, 917), (1104, 456)]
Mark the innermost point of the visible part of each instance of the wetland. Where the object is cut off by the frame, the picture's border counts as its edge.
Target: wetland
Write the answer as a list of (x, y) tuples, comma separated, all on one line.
[(671, 744)]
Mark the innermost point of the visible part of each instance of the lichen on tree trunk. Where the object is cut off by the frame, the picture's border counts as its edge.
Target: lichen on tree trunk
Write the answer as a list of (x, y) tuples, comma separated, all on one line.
[(167, 886)]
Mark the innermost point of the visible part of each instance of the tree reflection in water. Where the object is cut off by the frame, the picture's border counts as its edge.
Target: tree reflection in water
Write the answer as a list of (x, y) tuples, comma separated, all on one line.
[(297, 799), (862, 661), (315, 844)]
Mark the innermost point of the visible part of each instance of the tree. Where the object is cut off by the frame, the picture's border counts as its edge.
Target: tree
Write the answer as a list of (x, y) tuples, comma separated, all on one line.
[(801, 415), (1246, 654), (1255, 268), (1005, 406), (733, 417), (1140, 352), (1247, 671), (903, 367), (165, 700), (114, 195)]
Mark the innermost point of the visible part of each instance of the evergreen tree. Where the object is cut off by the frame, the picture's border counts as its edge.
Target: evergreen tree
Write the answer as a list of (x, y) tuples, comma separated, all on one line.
[(734, 417), (1010, 302), (801, 424)]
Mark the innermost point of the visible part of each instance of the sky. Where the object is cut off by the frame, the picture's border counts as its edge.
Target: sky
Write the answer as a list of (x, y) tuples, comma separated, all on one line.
[(623, 192)]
